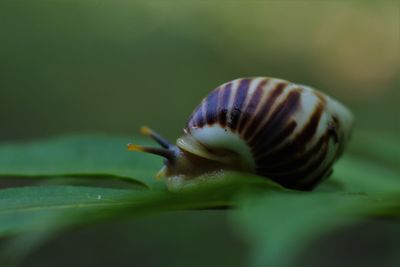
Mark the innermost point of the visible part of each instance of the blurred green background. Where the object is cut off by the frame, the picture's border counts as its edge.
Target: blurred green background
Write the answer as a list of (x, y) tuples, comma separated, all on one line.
[(112, 66)]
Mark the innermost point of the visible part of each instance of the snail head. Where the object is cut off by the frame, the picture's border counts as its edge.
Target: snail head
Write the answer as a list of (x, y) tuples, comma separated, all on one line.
[(178, 161)]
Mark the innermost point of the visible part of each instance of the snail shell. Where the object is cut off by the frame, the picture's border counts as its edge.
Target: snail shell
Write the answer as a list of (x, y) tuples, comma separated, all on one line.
[(286, 132)]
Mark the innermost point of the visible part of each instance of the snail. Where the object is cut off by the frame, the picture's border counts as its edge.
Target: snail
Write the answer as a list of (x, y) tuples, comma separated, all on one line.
[(270, 127)]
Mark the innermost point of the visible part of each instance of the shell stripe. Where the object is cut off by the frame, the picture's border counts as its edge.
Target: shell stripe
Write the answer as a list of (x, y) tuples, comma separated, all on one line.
[(206, 112), (252, 106), (300, 179), (299, 143), (278, 120), (302, 165), (224, 103), (298, 161), (211, 105), (239, 100), (198, 119), (284, 134), (261, 114), (332, 129)]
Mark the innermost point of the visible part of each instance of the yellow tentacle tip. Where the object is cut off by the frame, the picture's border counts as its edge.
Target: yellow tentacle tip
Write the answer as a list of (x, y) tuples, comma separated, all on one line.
[(161, 173), (133, 147), (145, 130)]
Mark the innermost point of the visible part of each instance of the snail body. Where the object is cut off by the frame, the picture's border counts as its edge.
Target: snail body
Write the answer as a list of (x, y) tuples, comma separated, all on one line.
[(286, 132)]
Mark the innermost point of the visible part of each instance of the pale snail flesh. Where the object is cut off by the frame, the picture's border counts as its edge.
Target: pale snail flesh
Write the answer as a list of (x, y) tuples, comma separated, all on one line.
[(286, 132)]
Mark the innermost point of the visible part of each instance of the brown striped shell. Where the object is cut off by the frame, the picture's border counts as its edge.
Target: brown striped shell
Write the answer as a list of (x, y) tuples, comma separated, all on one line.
[(286, 132)]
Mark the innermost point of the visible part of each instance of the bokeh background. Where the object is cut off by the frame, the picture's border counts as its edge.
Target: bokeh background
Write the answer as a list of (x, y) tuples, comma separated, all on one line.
[(112, 66)]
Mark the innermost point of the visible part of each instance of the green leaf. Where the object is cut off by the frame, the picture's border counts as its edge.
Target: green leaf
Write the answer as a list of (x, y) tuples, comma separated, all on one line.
[(41, 211), (27, 208), (30, 207), (90, 155), (279, 225), (354, 174), (378, 147)]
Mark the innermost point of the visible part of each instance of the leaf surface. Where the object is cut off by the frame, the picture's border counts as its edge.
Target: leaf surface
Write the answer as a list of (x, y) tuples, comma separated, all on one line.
[(90, 155)]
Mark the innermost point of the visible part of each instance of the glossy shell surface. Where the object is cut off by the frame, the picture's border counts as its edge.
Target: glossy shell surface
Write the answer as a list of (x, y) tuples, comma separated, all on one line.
[(284, 131)]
